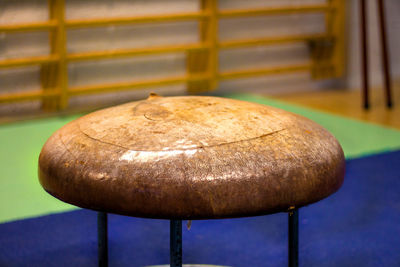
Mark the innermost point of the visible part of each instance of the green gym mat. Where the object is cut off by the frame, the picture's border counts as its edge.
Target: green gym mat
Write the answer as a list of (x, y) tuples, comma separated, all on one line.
[(21, 195), (357, 138)]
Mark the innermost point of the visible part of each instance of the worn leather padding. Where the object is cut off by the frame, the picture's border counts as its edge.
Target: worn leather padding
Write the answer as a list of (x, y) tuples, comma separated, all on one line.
[(191, 157)]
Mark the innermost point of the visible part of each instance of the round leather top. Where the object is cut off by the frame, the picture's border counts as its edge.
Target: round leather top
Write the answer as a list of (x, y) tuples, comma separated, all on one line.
[(191, 157)]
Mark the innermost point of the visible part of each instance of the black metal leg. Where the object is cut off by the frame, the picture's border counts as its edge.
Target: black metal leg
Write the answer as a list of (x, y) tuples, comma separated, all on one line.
[(102, 239), (385, 53), (176, 243), (364, 53), (294, 238)]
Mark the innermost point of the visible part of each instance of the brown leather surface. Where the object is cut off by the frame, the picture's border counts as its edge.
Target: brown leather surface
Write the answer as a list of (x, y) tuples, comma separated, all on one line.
[(191, 158)]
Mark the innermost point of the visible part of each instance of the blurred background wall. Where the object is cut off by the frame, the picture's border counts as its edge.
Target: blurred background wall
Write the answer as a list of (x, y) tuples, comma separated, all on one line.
[(107, 38)]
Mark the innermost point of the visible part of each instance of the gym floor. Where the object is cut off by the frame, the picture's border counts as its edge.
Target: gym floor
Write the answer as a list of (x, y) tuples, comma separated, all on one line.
[(348, 102), (357, 226)]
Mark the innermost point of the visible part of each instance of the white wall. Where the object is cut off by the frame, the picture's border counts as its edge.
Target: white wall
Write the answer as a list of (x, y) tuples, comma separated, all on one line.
[(28, 44)]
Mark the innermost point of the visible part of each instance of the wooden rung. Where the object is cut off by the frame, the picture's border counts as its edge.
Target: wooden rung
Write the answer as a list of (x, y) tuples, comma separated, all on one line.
[(18, 62), (78, 23), (81, 90), (134, 52), (270, 40), (26, 27), (274, 11), (24, 96), (261, 72)]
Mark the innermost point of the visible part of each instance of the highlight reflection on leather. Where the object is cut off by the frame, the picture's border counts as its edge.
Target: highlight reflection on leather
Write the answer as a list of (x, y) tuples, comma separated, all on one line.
[(191, 158)]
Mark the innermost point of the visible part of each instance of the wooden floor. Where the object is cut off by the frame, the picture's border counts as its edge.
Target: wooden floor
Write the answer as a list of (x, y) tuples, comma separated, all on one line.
[(342, 102), (348, 103)]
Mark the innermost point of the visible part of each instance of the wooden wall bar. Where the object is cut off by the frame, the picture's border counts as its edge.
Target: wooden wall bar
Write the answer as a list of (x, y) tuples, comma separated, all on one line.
[(202, 58)]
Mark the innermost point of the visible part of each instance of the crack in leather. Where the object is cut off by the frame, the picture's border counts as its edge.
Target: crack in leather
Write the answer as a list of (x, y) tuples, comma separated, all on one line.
[(198, 147)]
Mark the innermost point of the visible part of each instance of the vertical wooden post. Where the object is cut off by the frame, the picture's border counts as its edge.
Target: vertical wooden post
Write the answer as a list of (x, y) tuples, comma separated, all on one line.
[(328, 54), (54, 75), (338, 25), (327, 45), (205, 61), (48, 70)]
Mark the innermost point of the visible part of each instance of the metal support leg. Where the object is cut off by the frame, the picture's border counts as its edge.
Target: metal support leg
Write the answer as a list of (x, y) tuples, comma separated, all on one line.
[(385, 53), (176, 243), (364, 53), (294, 238), (102, 239)]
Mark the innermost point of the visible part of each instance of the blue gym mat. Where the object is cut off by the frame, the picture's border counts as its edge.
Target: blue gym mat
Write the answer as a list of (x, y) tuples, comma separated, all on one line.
[(357, 226)]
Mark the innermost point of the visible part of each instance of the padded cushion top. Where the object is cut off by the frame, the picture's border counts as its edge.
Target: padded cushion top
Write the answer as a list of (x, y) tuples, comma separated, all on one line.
[(191, 157)]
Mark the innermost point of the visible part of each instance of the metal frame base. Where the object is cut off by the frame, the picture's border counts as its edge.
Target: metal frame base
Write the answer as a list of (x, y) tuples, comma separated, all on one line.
[(176, 240)]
